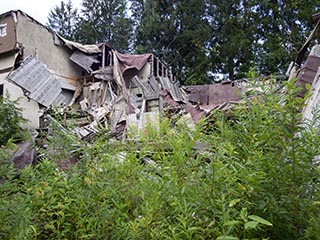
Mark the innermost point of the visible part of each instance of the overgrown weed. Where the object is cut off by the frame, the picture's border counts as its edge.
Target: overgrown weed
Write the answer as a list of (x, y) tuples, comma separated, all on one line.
[(256, 179)]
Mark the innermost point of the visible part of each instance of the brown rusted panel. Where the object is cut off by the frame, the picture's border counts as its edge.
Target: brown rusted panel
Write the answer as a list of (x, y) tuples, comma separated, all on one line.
[(224, 93), (307, 73), (195, 112), (204, 96), (213, 94), (194, 96), (7, 42), (312, 63)]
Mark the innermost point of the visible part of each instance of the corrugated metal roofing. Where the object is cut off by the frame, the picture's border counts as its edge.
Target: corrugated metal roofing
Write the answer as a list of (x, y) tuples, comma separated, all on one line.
[(34, 77)]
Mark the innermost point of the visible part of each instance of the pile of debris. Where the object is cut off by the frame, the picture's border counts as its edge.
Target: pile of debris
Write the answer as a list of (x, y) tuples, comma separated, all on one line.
[(120, 92)]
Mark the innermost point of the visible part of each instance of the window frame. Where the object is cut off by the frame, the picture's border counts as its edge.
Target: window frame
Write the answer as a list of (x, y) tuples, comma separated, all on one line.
[(3, 30)]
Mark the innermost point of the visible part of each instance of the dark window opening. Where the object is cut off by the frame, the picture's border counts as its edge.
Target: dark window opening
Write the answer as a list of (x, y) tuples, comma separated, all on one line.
[(1, 90)]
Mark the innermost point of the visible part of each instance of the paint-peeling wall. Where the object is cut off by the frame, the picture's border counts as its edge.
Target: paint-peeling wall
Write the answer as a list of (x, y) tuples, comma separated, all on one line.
[(36, 39)]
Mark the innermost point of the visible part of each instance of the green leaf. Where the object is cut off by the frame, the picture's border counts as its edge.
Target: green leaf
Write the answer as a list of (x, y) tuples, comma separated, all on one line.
[(260, 220), (232, 222), (227, 238), (244, 214), (234, 202), (183, 190), (250, 224), (308, 86)]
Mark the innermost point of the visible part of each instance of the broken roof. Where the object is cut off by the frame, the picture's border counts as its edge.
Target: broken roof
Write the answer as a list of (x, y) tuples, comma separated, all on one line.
[(129, 61), (86, 48), (35, 78)]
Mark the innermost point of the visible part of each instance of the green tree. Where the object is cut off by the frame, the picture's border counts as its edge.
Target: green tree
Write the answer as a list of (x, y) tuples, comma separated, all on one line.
[(263, 34), (178, 33), (282, 27), (63, 19), (105, 21), (232, 44)]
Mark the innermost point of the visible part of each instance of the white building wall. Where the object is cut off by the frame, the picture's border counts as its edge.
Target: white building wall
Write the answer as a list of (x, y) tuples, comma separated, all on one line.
[(30, 108)]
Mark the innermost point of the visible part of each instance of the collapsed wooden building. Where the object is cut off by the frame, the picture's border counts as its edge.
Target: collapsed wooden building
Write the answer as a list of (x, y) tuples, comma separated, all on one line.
[(111, 90)]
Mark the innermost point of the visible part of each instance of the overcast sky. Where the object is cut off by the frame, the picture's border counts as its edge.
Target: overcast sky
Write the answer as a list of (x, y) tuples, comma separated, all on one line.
[(37, 9)]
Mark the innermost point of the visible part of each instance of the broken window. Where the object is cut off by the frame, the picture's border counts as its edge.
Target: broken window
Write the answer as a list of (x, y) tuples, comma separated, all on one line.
[(1, 90), (3, 30)]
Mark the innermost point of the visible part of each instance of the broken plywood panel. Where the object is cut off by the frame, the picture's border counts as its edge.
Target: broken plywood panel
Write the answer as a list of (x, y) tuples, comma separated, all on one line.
[(146, 87), (34, 77), (84, 60), (136, 124), (105, 74), (173, 89)]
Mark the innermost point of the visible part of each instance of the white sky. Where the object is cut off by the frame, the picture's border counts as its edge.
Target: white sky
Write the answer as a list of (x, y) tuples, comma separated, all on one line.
[(37, 9)]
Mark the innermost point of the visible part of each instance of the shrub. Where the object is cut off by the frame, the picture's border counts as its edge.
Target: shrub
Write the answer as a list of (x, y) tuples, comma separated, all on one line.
[(10, 120), (257, 179)]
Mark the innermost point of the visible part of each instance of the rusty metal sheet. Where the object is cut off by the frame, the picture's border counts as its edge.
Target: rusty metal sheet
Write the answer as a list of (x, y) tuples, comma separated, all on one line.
[(196, 113), (213, 94), (312, 63), (167, 99), (307, 73), (131, 61), (34, 77), (194, 95)]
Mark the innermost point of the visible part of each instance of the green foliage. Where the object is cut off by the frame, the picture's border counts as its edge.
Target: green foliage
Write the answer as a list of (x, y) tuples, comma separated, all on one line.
[(105, 21), (178, 33), (197, 39), (257, 179), (10, 121), (64, 19)]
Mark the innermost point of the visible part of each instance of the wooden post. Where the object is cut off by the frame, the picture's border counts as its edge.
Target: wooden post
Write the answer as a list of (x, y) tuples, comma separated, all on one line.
[(103, 55)]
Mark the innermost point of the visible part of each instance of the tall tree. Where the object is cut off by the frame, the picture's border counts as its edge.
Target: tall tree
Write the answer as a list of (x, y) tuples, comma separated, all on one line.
[(265, 34), (63, 19), (233, 41), (177, 32), (105, 21), (282, 27)]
